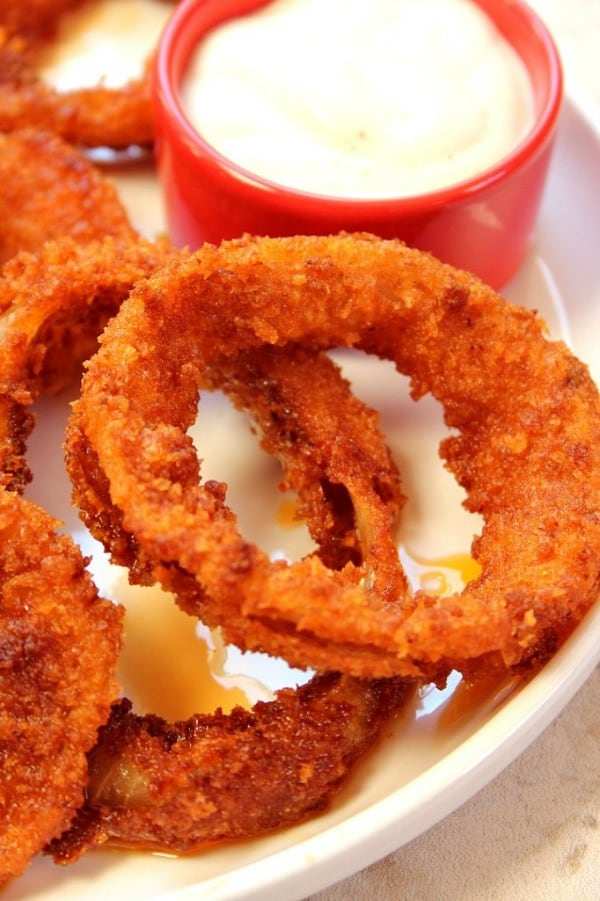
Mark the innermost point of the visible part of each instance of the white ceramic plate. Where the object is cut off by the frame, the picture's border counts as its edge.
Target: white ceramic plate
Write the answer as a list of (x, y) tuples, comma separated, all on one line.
[(446, 746)]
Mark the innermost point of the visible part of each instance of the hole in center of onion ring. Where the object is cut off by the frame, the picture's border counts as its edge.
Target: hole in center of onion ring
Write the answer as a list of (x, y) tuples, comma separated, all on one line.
[(174, 666), (434, 525), (230, 453)]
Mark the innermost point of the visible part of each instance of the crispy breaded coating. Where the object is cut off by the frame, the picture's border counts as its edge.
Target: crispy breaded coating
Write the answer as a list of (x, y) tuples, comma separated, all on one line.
[(53, 305), (59, 646), (240, 775), (98, 116), (526, 447), (49, 190)]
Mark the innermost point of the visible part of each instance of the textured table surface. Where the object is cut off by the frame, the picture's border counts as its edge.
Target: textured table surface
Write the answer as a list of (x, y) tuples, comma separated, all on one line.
[(534, 832)]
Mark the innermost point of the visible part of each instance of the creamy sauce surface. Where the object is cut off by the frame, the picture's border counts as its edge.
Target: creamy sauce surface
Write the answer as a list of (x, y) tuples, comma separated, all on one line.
[(360, 99)]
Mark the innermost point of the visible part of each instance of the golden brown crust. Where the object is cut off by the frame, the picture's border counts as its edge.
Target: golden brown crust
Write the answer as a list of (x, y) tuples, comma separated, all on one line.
[(332, 451), (529, 458), (53, 305), (176, 786), (240, 775), (59, 646), (48, 190)]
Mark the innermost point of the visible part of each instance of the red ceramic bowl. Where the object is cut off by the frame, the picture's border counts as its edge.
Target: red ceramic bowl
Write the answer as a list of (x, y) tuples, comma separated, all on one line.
[(482, 224)]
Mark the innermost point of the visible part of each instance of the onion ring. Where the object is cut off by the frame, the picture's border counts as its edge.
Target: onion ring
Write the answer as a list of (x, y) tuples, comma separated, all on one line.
[(258, 768), (59, 646), (528, 459), (70, 197), (177, 786), (99, 116), (53, 305), (348, 486)]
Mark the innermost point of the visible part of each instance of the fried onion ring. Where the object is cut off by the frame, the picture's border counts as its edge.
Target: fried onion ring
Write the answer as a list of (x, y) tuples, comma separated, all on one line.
[(69, 197), (53, 305), (59, 646), (98, 116), (240, 775), (332, 451), (528, 459)]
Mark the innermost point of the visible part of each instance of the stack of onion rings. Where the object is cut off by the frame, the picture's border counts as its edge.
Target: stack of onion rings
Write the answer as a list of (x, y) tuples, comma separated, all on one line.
[(60, 640), (253, 318), (529, 460), (176, 786), (71, 256), (67, 291)]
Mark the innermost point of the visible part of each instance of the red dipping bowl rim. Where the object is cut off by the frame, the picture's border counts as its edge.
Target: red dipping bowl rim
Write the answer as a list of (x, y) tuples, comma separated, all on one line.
[(178, 41)]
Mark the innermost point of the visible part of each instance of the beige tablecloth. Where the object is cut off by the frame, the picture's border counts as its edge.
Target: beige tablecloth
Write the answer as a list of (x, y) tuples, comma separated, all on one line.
[(534, 832)]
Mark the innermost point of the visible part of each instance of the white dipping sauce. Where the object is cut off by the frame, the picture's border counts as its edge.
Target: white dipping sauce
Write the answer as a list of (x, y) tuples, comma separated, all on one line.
[(360, 98)]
